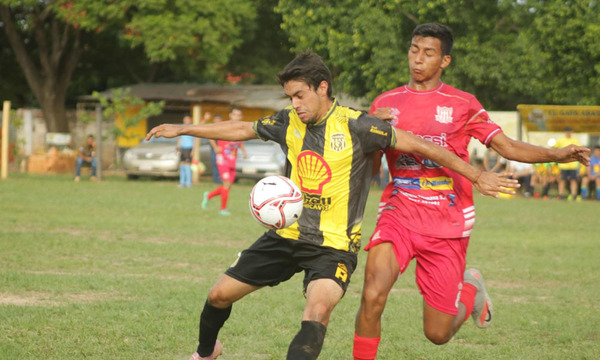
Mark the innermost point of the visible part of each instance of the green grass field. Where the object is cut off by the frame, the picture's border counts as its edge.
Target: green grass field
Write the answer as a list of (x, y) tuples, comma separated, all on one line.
[(120, 270)]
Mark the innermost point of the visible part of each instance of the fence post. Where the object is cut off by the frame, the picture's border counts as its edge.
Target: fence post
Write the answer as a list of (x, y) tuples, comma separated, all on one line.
[(5, 131), (99, 142)]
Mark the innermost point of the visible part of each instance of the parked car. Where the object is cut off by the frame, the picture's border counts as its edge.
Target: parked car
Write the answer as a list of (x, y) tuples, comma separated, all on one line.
[(158, 157), (264, 158)]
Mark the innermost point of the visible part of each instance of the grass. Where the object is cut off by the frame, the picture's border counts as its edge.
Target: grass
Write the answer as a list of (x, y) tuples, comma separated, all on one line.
[(121, 269)]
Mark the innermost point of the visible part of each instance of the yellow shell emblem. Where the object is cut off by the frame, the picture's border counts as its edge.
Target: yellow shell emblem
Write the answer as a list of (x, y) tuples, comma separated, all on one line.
[(313, 172)]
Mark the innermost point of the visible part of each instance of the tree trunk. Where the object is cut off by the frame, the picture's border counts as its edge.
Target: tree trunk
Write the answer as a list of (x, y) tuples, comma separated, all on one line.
[(59, 48)]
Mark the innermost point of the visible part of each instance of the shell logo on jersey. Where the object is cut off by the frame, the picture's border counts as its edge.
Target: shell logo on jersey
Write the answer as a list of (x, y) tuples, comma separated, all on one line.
[(338, 142), (313, 172), (444, 115)]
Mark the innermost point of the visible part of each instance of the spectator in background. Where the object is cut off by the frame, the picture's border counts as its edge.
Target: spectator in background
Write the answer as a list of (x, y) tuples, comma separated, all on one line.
[(213, 155), (492, 161), (185, 145), (592, 175), (87, 156), (568, 171), (523, 173)]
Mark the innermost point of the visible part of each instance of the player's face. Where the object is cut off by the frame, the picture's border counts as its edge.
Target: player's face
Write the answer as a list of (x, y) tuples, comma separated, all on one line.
[(235, 115), (425, 60), (311, 105)]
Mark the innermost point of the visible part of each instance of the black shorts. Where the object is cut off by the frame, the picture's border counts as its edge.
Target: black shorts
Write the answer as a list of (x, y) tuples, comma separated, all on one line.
[(568, 175), (185, 155), (273, 259)]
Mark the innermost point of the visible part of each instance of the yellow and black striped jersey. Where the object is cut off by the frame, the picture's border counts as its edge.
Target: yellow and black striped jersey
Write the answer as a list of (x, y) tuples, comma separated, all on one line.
[(331, 161)]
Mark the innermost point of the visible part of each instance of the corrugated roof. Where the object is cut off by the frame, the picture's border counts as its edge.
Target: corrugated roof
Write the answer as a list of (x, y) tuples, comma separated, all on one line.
[(251, 96)]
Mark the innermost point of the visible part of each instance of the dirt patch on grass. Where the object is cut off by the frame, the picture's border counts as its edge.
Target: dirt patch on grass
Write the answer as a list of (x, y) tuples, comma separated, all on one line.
[(32, 298)]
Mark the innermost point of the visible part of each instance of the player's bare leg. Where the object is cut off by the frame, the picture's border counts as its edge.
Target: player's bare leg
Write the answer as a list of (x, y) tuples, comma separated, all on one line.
[(440, 327), (216, 311), (322, 296), (381, 272)]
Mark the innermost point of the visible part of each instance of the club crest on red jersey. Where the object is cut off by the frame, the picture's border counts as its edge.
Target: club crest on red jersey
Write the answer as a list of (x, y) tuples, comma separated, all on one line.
[(444, 115)]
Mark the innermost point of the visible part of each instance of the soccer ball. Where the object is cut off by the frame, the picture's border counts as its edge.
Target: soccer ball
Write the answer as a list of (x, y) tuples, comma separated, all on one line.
[(276, 202)]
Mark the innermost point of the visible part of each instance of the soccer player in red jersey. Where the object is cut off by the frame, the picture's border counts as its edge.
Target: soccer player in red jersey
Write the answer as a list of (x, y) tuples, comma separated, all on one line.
[(227, 152), (427, 211)]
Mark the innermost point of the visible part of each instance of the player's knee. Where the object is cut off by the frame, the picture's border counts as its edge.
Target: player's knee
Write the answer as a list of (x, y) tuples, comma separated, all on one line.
[(218, 298), (373, 300), (438, 336)]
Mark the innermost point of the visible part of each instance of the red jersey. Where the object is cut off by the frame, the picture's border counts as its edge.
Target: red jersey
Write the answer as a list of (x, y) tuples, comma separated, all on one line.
[(228, 154), (430, 199)]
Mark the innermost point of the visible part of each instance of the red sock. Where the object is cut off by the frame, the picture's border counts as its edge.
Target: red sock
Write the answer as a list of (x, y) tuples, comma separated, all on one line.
[(215, 192), (467, 297), (365, 348), (224, 197)]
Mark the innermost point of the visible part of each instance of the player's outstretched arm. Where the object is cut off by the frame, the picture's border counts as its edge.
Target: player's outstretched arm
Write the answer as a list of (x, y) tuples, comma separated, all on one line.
[(527, 153), (227, 130), (487, 183)]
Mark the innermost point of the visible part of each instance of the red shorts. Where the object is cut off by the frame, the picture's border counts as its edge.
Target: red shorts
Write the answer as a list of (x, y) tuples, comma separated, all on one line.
[(226, 166), (227, 173), (440, 262)]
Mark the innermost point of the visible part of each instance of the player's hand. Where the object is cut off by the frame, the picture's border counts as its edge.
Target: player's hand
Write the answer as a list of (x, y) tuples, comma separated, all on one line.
[(575, 153), (491, 184), (164, 130), (384, 113), (387, 113)]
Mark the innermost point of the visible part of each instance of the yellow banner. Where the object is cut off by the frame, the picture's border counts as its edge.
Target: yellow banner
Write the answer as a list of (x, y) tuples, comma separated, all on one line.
[(585, 119)]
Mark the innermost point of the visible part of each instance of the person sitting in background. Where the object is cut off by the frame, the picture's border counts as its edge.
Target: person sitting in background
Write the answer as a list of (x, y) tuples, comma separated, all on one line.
[(523, 173), (492, 161), (568, 171), (87, 156)]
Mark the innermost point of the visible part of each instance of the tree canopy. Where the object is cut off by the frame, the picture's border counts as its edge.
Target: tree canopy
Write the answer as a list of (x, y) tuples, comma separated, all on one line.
[(505, 52), (48, 38)]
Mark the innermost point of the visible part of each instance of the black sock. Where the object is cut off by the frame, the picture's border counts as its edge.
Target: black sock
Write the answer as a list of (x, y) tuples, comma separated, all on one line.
[(211, 321), (307, 344)]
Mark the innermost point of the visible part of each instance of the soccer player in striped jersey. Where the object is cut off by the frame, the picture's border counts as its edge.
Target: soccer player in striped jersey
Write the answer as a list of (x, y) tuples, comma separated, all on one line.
[(329, 150), (427, 210)]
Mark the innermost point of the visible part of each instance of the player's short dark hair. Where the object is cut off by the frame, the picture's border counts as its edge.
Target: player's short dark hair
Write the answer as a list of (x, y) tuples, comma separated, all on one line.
[(438, 31), (235, 107), (307, 67)]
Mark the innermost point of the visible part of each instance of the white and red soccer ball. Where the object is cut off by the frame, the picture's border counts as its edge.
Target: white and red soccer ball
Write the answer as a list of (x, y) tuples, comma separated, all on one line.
[(276, 202)]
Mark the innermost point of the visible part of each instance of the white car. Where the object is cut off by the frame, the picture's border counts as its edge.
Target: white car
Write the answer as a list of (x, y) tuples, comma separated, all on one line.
[(265, 158), (159, 158)]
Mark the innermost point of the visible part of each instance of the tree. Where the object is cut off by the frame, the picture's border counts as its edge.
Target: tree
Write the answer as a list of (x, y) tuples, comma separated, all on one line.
[(48, 37), (506, 52), (58, 47)]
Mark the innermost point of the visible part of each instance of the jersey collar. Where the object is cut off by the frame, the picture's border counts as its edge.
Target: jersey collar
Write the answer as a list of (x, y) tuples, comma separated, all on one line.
[(334, 104), (413, 91)]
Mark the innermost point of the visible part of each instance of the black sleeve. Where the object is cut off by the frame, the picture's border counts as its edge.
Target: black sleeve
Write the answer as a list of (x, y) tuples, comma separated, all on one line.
[(273, 127), (374, 133)]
